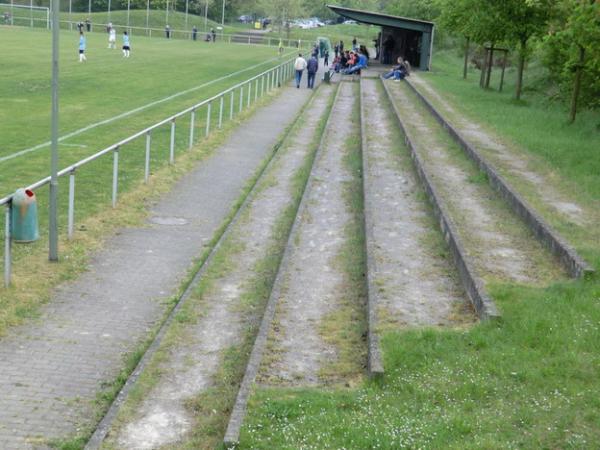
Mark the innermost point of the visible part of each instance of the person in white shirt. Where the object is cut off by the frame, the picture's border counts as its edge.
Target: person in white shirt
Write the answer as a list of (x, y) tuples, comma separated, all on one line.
[(299, 65), (112, 38)]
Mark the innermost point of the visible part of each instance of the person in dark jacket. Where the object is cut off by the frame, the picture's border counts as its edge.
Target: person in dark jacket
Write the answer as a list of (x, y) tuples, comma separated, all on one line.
[(312, 67)]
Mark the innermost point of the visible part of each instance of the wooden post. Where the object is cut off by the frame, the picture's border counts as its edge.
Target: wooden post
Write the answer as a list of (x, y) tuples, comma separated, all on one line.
[(503, 68), (489, 67), (577, 84), (466, 58), (483, 66)]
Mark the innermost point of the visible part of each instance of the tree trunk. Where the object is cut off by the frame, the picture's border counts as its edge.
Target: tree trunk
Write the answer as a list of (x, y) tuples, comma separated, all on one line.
[(483, 66), (466, 58), (489, 67), (577, 84), (520, 70)]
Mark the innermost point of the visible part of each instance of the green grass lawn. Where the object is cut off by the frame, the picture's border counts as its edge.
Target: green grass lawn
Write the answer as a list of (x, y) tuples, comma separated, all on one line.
[(529, 380)]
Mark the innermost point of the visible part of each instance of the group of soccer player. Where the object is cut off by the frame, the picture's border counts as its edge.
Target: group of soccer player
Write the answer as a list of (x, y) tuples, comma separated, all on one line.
[(112, 42)]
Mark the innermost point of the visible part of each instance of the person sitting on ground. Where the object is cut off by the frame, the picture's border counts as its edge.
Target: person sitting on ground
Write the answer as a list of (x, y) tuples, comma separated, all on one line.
[(344, 56), (361, 63), (337, 64), (400, 71), (365, 52)]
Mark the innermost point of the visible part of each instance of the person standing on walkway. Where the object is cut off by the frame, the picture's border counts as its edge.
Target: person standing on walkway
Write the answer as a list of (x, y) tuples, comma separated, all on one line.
[(88, 25), (112, 38), (312, 67), (82, 47), (126, 47), (168, 31), (194, 33), (299, 65), (213, 34), (326, 59)]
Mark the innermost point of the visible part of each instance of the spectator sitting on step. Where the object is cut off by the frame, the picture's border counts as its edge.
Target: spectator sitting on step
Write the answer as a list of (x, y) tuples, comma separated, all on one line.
[(399, 72), (359, 64)]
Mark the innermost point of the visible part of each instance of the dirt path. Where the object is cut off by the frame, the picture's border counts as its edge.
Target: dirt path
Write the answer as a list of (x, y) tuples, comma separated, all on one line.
[(312, 278), (508, 159), (412, 284), (500, 245), (163, 418)]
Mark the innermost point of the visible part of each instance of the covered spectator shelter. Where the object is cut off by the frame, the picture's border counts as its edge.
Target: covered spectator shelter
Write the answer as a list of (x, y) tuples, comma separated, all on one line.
[(400, 36)]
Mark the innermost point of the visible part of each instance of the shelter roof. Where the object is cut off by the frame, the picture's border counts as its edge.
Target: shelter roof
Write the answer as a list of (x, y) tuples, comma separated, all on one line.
[(384, 20)]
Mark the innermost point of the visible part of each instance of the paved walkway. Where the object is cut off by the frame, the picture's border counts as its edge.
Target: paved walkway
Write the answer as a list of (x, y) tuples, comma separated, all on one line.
[(51, 369)]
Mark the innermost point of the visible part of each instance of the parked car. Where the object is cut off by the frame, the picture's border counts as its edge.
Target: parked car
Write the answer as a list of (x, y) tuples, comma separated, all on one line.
[(350, 22), (245, 19)]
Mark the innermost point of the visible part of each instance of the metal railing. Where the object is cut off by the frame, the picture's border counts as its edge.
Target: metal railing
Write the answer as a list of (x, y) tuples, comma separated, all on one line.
[(235, 38), (261, 84)]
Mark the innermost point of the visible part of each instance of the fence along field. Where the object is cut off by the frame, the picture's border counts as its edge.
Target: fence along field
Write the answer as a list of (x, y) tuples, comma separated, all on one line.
[(96, 187)]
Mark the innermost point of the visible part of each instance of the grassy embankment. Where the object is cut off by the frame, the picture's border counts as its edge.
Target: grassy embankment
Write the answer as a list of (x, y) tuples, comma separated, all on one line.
[(526, 381), (103, 87)]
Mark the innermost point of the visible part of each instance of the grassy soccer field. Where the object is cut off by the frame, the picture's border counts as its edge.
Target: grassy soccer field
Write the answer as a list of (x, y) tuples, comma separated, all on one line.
[(105, 86)]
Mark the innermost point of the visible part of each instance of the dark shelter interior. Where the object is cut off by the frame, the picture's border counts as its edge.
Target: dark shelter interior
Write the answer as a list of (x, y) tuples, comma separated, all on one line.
[(410, 39)]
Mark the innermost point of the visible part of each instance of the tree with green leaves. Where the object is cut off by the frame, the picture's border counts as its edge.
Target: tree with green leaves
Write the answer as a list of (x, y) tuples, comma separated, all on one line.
[(523, 19), (573, 51)]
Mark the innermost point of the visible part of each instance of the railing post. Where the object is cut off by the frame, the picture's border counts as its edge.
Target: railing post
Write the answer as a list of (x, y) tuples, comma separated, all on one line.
[(115, 184), (248, 39), (221, 111), (256, 90), (147, 162), (172, 143), (208, 108), (241, 98), (7, 245), (71, 212), (192, 124), (231, 105), (262, 85), (249, 92)]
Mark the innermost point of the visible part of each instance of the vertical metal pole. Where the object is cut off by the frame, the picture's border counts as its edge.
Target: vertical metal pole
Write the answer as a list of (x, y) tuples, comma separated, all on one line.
[(147, 14), (172, 144), (249, 92), (89, 7), (7, 245), (167, 14), (192, 125), (208, 118), (262, 85), (256, 90), (241, 98), (186, 13), (231, 106), (147, 162), (128, 9), (70, 11), (206, 17), (31, 13), (109, 10), (221, 111), (115, 184), (223, 15), (53, 220), (71, 213)]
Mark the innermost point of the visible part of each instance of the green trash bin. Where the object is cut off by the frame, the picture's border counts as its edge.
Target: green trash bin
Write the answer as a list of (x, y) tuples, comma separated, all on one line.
[(24, 217)]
